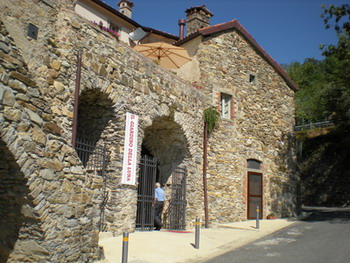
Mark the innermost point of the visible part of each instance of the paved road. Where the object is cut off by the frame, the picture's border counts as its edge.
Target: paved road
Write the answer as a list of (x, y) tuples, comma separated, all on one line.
[(324, 236)]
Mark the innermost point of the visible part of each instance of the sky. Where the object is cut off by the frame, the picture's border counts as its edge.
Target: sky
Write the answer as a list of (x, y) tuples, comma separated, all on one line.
[(289, 30)]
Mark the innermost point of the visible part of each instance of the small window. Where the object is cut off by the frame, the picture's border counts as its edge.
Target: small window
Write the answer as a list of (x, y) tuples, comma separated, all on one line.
[(113, 27), (254, 164), (226, 106), (32, 31), (252, 78)]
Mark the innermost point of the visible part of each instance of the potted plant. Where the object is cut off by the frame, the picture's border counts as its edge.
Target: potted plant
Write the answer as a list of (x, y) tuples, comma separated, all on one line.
[(271, 216)]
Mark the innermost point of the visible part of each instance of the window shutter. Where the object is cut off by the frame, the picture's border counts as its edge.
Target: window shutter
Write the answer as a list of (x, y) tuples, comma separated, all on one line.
[(219, 102), (232, 115)]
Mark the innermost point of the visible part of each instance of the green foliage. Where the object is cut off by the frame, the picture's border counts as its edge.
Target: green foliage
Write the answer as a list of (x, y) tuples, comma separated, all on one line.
[(310, 77), (337, 103), (211, 116), (337, 13), (325, 165), (325, 85), (337, 92), (333, 16)]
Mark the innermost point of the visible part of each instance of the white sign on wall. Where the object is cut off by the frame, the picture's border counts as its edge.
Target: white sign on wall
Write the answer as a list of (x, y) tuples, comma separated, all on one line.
[(130, 149)]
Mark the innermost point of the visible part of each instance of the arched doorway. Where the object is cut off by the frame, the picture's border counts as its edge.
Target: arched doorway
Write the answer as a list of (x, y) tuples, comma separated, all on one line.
[(95, 115), (164, 153)]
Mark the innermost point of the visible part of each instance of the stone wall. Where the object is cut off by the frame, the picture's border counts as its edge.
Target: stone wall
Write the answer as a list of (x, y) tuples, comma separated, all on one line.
[(44, 198), (37, 102), (261, 128), (44, 182), (129, 82), (16, 210)]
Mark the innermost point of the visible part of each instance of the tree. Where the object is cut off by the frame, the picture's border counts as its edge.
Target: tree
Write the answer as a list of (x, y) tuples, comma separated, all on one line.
[(337, 93), (338, 14), (325, 85), (325, 165), (310, 77)]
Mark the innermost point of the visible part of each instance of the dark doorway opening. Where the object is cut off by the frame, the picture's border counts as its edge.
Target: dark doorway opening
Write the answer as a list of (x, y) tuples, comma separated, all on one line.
[(95, 123), (164, 157), (176, 214), (145, 193)]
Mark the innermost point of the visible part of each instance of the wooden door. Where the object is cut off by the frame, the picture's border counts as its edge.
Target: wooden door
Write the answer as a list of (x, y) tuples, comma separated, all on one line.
[(255, 194)]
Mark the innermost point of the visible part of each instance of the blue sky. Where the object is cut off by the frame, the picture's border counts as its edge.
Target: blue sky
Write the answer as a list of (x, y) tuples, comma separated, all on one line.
[(289, 30)]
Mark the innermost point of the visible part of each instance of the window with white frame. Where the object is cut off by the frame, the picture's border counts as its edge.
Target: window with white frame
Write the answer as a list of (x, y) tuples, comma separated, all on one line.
[(225, 106), (114, 27)]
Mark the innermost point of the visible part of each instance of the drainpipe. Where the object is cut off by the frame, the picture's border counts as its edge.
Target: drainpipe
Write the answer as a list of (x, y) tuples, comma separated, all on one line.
[(76, 99), (182, 23), (205, 146)]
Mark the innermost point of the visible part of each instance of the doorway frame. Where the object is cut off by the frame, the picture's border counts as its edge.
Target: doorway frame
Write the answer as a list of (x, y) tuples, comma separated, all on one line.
[(145, 193), (261, 207)]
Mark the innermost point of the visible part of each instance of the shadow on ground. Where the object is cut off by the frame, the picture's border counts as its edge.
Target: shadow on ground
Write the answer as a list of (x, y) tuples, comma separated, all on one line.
[(333, 215)]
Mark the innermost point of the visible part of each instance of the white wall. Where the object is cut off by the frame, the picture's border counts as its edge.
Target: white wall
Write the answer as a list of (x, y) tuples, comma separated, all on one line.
[(86, 11), (90, 14)]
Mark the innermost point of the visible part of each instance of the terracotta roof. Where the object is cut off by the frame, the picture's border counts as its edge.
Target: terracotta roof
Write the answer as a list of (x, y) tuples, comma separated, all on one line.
[(234, 24), (133, 22)]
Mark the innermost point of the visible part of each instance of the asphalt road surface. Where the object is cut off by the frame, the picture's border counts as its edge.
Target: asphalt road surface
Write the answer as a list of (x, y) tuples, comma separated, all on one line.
[(324, 236)]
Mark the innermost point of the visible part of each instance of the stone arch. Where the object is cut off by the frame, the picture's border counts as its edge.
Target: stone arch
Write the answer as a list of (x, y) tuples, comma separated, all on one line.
[(95, 112), (166, 140), (97, 135), (21, 233), (253, 163), (95, 115)]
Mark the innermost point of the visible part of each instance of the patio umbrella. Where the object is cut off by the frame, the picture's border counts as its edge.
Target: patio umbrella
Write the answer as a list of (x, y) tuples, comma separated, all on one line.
[(166, 55)]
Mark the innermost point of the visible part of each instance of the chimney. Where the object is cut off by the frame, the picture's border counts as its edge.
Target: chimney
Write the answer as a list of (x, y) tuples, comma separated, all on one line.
[(182, 23), (197, 18), (125, 7)]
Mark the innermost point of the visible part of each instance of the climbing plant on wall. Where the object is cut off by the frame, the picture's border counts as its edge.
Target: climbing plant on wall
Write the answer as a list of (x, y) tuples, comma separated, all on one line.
[(211, 120)]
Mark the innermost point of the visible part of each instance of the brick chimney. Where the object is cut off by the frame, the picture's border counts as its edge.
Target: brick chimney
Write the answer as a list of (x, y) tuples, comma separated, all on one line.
[(197, 17), (125, 7)]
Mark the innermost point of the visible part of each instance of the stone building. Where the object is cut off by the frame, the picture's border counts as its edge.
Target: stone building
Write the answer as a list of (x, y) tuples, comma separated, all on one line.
[(253, 146), (61, 151)]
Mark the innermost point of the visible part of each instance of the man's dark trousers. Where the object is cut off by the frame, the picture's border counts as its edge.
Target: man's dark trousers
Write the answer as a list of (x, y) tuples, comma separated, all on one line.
[(158, 208)]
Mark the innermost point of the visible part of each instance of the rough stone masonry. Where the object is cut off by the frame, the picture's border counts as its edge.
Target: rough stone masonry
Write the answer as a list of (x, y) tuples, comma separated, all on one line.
[(50, 202)]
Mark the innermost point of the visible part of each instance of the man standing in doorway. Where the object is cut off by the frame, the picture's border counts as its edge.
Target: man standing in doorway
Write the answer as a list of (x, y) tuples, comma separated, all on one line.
[(159, 199)]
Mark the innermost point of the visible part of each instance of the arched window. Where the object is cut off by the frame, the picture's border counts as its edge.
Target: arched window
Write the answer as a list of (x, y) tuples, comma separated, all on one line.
[(253, 164)]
